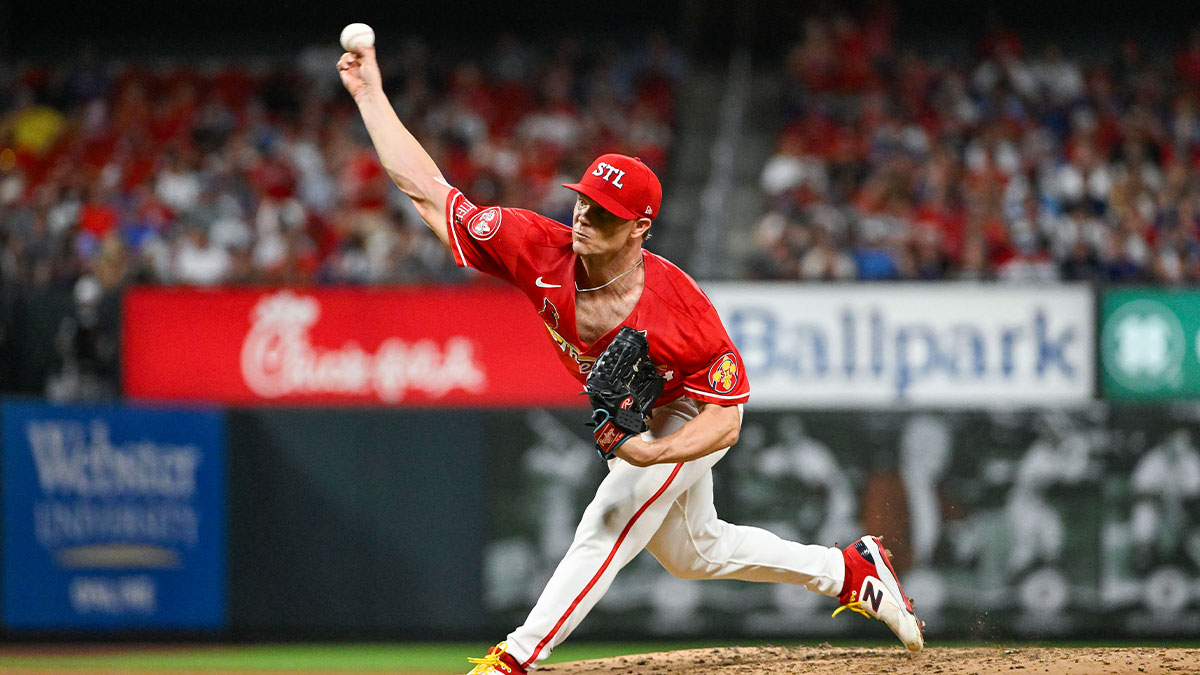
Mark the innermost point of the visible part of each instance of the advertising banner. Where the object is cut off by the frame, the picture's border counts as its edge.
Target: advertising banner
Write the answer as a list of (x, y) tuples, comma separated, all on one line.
[(114, 518), (1036, 523), (1150, 344), (346, 346), (958, 345)]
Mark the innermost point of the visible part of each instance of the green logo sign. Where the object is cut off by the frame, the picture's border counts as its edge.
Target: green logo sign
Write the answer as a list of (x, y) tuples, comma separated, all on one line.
[(1145, 348)]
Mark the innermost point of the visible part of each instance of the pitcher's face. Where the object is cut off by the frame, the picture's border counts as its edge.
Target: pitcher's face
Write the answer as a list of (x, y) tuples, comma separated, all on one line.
[(595, 230)]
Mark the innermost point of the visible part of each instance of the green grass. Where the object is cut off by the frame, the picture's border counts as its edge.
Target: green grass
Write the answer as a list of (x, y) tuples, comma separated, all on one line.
[(431, 657)]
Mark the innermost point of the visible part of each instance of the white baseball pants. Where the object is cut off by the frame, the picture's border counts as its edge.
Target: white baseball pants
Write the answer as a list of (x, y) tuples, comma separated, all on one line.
[(667, 509)]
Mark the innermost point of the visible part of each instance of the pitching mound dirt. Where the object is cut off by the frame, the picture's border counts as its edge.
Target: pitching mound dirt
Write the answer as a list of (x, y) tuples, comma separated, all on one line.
[(931, 661)]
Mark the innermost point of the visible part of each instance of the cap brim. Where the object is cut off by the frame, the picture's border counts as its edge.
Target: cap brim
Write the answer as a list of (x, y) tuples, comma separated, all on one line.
[(610, 204)]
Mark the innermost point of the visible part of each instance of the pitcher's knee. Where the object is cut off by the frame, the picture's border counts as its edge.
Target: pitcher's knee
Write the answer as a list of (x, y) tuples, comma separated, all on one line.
[(605, 517), (697, 570), (698, 565)]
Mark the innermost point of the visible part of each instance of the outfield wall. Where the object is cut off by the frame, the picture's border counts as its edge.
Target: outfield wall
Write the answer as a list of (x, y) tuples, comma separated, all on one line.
[(1028, 523), (445, 524), (316, 480)]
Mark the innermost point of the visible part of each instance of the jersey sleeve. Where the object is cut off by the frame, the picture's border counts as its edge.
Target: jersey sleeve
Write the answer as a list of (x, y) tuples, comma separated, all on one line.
[(717, 375), (490, 239)]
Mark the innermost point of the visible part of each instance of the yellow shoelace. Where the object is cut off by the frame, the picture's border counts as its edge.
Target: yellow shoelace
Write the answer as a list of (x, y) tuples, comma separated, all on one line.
[(857, 606), (490, 661)]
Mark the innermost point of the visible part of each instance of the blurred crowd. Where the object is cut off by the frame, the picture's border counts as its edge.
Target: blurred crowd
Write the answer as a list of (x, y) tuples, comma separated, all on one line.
[(1021, 163), (260, 172)]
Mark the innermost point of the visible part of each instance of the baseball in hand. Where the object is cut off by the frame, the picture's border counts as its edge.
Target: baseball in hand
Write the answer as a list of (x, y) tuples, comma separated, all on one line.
[(356, 36)]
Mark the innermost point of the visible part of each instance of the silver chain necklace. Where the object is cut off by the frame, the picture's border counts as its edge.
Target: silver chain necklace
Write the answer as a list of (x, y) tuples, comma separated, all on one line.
[(610, 281)]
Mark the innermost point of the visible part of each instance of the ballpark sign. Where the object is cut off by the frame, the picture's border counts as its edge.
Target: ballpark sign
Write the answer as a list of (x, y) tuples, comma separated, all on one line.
[(958, 345), (427, 346), (1150, 344)]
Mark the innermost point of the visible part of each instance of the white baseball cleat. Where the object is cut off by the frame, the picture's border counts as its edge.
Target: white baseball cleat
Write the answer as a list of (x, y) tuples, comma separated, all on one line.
[(873, 590)]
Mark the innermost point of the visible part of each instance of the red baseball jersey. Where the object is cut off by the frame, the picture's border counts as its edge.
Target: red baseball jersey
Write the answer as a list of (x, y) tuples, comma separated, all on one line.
[(688, 344)]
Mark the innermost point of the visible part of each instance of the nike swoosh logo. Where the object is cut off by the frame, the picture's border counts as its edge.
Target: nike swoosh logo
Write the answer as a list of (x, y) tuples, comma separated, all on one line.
[(542, 284)]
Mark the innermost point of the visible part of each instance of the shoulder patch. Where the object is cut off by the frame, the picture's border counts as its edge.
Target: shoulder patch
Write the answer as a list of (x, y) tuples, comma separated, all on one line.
[(723, 375), (485, 224)]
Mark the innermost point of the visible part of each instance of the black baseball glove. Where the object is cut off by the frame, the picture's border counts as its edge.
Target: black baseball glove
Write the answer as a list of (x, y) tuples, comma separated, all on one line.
[(622, 387)]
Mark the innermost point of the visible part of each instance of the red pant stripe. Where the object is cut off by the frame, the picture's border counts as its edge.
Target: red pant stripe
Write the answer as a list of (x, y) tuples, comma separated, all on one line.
[(611, 554)]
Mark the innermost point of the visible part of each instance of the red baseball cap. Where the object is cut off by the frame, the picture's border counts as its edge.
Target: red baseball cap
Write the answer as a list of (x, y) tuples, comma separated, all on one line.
[(623, 185)]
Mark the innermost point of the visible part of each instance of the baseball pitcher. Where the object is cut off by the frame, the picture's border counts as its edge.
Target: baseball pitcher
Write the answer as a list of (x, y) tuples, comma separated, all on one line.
[(665, 383)]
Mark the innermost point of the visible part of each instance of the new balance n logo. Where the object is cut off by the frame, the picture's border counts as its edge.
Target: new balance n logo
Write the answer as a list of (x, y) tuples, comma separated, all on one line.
[(872, 595)]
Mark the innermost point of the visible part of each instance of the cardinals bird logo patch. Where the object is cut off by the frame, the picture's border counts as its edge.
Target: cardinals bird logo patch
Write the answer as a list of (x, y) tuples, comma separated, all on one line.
[(485, 224), (723, 376), (549, 313)]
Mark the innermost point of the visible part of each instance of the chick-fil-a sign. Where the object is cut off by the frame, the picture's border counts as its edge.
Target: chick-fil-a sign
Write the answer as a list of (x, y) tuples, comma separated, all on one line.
[(413, 346)]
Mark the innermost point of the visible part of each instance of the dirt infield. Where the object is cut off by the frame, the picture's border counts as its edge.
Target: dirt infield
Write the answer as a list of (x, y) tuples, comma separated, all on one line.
[(770, 660), (933, 661)]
